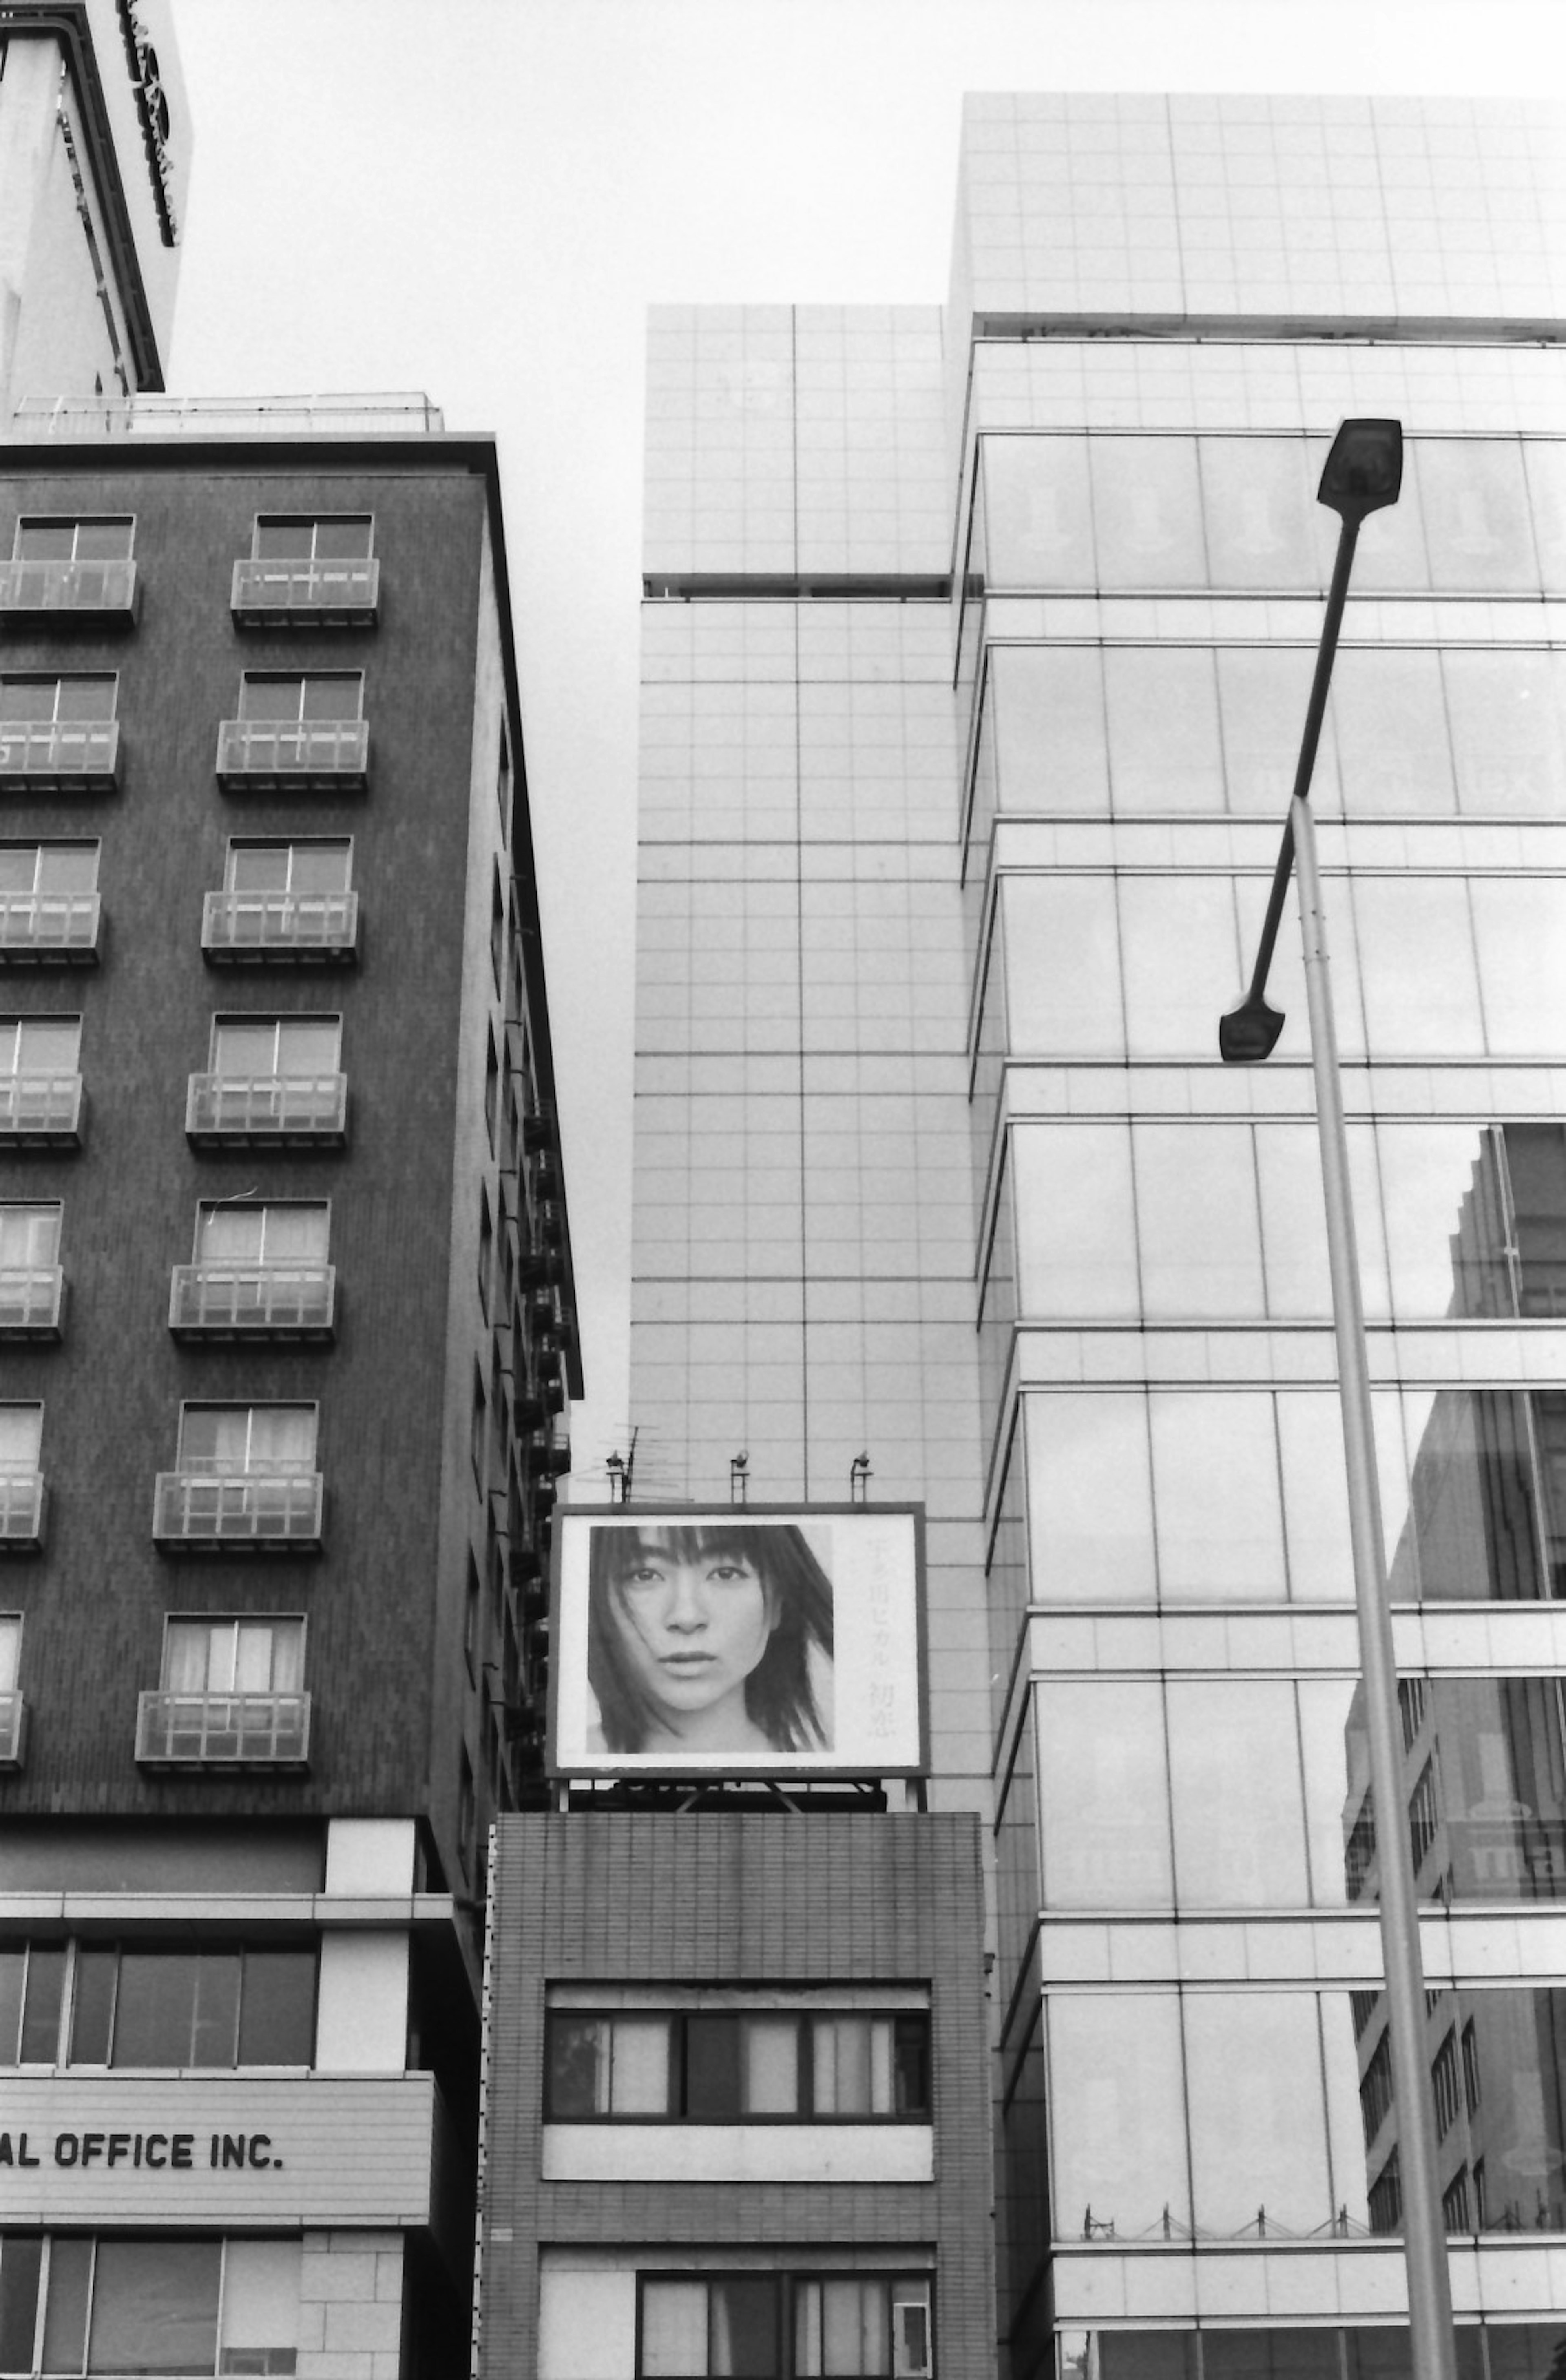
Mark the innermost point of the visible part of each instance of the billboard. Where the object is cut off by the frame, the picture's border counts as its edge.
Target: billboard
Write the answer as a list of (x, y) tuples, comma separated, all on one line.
[(737, 1641)]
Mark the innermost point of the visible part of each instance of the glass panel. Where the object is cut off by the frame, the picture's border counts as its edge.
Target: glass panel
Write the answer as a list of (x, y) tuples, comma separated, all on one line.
[(46, 1994), (29, 1235), (1076, 1225), (1037, 519), (1330, 1800), (29, 699), (1390, 722), (331, 697), (1259, 512), (45, 540), (258, 867), (1089, 1491), (1235, 1786), (1048, 705), (155, 2014), (1263, 694), (68, 868), (342, 538), (640, 2084), (1103, 1795), (308, 1045), (1200, 1232), (104, 540), (216, 2022), (21, 1435), (13, 1983), (230, 1234), (1146, 513), (1062, 966), (1215, 1490), (674, 2329), (1316, 1498), (86, 697), (154, 2306), (1501, 1786), (1544, 464), (578, 2068), (712, 2069), (1475, 506), (260, 2301), (771, 2066), (1270, 2355), (10, 1648), (1392, 553), (1508, 732), (64, 2324), (283, 540), (271, 697), (213, 1438), (1181, 962), (1165, 751), (1445, 1209), (295, 1235), (19, 867), (244, 1051), (282, 1437), (1520, 931), (1524, 2351), (1485, 1475), (854, 2333), (744, 2329), (92, 2005), (21, 2259), (1259, 2133), (1117, 2115), (49, 1045), (189, 1650), (1419, 980), (319, 866), (841, 2052)]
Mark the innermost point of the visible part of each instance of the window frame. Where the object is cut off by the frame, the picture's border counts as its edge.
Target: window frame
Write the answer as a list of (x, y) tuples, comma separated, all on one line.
[(36, 891), (282, 721), (20, 1022), (250, 1409), (263, 1206), (137, 1947), (212, 1621), (679, 2062), (37, 1207), (76, 522), (313, 522), (81, 2341), (786, 2281), (278, 1020), (290, 844), (58, 679)]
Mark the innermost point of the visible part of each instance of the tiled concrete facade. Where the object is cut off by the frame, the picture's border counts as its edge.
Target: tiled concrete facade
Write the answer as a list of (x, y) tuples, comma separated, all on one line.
[(1160, 312)]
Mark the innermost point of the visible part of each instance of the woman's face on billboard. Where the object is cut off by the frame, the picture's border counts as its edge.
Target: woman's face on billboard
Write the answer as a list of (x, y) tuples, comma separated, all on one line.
[(692, 1627)]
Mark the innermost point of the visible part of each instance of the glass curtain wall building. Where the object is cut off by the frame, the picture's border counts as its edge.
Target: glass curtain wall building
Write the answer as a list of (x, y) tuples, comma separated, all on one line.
[(970, 729)]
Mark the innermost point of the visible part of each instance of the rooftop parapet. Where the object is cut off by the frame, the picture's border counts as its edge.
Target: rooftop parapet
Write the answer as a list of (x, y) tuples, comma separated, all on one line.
[(398, 413)]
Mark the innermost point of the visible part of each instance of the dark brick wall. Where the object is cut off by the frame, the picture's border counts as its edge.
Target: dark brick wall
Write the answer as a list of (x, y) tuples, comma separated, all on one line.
[(95, 1600), (729, 1899)]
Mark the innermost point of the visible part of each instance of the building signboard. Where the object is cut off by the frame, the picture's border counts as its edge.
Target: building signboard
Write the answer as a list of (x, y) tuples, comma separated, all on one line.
[(753, 1641), (110, 2148)]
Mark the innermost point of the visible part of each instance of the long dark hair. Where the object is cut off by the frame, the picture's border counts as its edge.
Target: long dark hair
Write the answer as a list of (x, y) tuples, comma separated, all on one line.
[(779, 1697)]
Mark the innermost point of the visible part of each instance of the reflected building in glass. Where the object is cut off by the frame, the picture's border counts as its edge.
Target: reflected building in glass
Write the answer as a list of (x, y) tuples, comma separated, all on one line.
[(978, 651)]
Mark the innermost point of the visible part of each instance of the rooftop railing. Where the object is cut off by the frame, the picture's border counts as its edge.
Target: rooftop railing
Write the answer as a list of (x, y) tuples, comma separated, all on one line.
[(397, 414)]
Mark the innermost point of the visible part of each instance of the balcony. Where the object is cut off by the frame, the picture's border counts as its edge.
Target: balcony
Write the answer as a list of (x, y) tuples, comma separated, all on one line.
[(304, 594), (13, 1730), (274, 928), (44, 929), (255, 1301), (222, 1731), (32, 1301), (23, 1500), (40, 1110), (266, 1111), (64, 756), (100, 593), (312, 756), (238, 1512)]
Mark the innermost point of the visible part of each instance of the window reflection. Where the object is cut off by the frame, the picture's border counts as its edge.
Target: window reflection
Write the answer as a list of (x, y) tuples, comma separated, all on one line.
[(1147, 512), (1493, 2351), (1485, 1771)]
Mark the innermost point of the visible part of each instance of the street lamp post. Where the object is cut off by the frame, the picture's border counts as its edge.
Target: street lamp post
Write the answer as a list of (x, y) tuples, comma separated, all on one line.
[(1363, 472)]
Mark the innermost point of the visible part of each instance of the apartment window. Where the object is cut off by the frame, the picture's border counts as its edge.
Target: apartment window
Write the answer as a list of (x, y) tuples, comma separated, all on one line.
[(1455, 2210), (32, 1988), (1386, 2196), (777, 2323), (81, 699), (247, 1437), (248, 1048), (234, 1657), (253, 1231), (40, 1079), (47, 537), (721, 2067), (321, 536), (271, 1079), (334, 695), (48, 900), (1375, 2091), (79, 2303), (39, 1045), (30, 1235), (218, 2008), (1444, 2083), (21, 1438), (245, 1478), (256, 1266), (1423, 1816), (322, 864)]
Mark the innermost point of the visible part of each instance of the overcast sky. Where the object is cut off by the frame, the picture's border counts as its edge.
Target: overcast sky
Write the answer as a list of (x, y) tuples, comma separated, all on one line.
[(480, 198)]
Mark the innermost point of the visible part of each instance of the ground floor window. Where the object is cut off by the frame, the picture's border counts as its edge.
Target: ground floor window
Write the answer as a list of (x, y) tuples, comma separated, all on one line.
[(775, 2326), (75, 2302)]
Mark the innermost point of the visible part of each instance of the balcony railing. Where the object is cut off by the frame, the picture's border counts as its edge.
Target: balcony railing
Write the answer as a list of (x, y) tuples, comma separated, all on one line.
[(23, 1500), (83, 591), (250, 1512), (41, 927), (66, 756), (342, 594), (258, 1301), (293, 755), (41, 1108), (233, 1110), (222, 1731), (396, 414), (267, 928), (31, 1298), (13, 1728)]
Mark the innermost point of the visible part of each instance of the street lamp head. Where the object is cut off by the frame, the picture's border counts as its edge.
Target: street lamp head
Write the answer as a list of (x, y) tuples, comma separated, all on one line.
[(1248, 1033), (1364, 468)]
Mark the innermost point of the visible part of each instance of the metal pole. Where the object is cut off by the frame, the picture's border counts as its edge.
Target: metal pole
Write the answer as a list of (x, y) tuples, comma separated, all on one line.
[(1424, 2225)]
